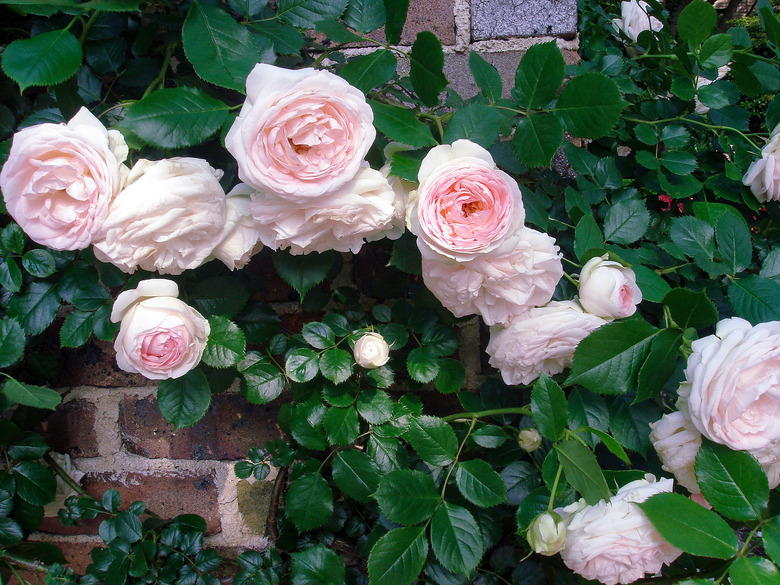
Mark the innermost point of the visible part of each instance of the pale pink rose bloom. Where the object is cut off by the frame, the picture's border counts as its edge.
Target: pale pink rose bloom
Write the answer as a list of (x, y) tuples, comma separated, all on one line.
[(635, 19), (59, 180), (240, 238), (541, 340), (613, 541), (371, 351), (168, 218), (464, 205), (677, 443), (732, 387), (608, 289), (496, 286), (160, 336), (300, 133), (363, 210), (763, 175)]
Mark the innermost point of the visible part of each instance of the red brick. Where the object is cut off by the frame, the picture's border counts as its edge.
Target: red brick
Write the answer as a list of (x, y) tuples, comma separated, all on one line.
[(167, 494), (437, 16), (71, 429), (77, 555), (230, 428), (94, 364)]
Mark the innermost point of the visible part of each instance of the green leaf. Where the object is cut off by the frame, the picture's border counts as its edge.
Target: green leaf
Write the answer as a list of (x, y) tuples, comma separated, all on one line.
[(610, 443), (755, 298), (184, 401), (341, 425), (306, 13), (696, 238), (587, 236), (451, 376), (426, 68), (10, 275), (29, 395), (590, 105), (336, 364), (582, 470), (219, 295), (35, 309), (689, 308), (486, 76), (456, 538), (406, 496), (375, 406), (369, 71), (309, 501), (303, 272), (396, 11), (46, 59), (401, 125), (716, 51), (221, 51), (365, 15), (690, 526), (441, 340), (286, 39), (226, 344), (753, 571), (608, 360), (39, 263), (587, 409), (626, 221), (128, 527), (489, 436), (539, 75), (35, 483), (175, 117), (356, 474), (433, 439), (476, 122), (549, 408), (12, 342), (479, 483), (537, 138), (262, 381), (10, 532), (28, 446), (318, 335), (423, 365), (13, 239), (679, 162), (337, 31), (770, 534), (76, 329), (696, 22), (629, 423), (733, 238), (652, 285), (398, 557), (302, 364), (732, 481), (659, 365), (317, 565)]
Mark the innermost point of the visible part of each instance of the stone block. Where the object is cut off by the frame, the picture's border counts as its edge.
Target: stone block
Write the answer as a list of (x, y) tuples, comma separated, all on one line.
[(71, 429), (254, 503), (496, 19), (230, 428)]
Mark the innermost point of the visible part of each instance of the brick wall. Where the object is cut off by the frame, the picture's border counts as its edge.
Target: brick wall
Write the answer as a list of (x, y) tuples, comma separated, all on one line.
[(109, 422)]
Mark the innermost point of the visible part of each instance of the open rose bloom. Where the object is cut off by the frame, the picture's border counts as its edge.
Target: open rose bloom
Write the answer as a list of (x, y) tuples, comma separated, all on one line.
[(59, 179), (160, 336), (608, 289), (763, 175)]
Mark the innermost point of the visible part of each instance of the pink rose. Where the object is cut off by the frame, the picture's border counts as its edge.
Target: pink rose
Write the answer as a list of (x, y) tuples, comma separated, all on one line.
[(160, 336), (541, 340), (364, 209), (677, 443), (763, 175), (465, 206), (732, 388), (496, 286), (300, 133), (240, 238), (59, 179), (168, 218), (614, 542), (608, 289)]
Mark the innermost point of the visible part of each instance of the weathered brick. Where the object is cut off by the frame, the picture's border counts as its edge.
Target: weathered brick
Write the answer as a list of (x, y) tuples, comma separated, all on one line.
[(230, 428), (94, 364), (494, 19), (437, 16), (71, 429)]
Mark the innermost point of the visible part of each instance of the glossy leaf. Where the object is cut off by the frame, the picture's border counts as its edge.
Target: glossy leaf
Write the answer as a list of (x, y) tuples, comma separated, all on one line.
[(479, 483), (582, 470), (398, 557), (356, 474), (456, 538), (184, 401), (317, 565), (226, 344), (406, 496), (309, 501), (589, 105), (426, 68), (45, 59), (537, 139), (369, 71), (539, 75), (433, 440), (549, 408)]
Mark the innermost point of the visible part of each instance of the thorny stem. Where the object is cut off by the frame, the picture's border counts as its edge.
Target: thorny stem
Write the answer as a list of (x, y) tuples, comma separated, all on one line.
[(694, 122), (160, 79), (63, 474), (457, 456), (88, 26), (467, 416), (27, 565)]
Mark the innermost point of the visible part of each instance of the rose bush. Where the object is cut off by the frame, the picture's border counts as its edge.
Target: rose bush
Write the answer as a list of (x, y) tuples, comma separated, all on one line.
[(59, 179)]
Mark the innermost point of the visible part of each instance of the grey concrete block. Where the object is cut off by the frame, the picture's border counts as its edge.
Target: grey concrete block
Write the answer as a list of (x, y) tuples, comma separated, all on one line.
[(493, 19)]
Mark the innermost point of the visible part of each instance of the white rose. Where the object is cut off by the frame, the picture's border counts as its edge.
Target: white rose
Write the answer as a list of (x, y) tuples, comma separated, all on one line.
[(635, 19), (541, 340), (732, 388), (168, 218), (547, 534), (300, 133), (59, 179), (371, 351), (614, 542), (160, 336), (498, 285), (363, 210), (608, 289), (763, 175), (677, 443), (240, 237)]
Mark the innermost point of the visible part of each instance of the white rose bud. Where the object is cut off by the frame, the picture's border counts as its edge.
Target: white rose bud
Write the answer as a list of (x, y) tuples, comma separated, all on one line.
[(371, 351), (608, 289), (547, 534), (529, 440)]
